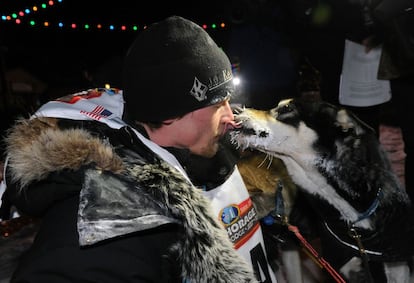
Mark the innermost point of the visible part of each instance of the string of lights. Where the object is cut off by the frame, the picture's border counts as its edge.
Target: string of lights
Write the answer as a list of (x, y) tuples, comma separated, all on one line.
[(16, 17), (22, 17)]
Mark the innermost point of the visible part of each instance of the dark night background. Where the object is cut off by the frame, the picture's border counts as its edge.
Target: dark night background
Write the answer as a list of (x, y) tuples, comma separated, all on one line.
[(67, 60), (58, 55)]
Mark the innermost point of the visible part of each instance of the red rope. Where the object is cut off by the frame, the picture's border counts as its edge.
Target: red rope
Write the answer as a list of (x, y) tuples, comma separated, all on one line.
[(314, 253)]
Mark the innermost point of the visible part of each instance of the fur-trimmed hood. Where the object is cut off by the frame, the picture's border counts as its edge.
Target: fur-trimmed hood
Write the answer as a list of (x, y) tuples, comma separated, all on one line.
[(149, 192), (38, 147)]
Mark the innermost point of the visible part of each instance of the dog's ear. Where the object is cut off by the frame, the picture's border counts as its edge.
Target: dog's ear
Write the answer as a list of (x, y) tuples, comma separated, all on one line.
[(361, 140), (349, 121)]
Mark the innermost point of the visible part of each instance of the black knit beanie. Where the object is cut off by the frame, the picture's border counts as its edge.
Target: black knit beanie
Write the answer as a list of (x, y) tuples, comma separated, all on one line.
[(174, 67)]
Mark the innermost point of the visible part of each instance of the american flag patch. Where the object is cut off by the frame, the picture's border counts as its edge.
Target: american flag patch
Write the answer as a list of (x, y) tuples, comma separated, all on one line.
[(97, 113)]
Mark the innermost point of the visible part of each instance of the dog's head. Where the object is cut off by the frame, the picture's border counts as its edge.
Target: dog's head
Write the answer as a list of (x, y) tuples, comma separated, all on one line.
[(327, 150), (303, 130), (299, 127)]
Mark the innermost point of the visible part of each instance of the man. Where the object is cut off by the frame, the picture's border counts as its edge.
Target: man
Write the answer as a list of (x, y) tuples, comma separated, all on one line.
[(115, 204)]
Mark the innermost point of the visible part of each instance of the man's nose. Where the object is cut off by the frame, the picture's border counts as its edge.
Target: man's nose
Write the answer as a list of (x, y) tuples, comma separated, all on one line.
[(229, 111)]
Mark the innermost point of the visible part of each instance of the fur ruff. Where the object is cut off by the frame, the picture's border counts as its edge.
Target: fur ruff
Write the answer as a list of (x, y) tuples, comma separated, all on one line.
[(37, 147)]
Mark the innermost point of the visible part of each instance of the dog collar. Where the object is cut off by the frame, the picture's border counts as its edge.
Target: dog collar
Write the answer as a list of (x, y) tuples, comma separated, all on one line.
[(372, 207)]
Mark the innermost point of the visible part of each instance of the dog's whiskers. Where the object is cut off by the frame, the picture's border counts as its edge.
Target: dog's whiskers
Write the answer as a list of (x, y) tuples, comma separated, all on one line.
[(267, 157), (270, 160), (238, 123), (263, 161)]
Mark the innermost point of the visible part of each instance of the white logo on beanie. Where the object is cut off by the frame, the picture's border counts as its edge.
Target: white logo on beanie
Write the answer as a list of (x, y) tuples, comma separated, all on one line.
[(199, 90)]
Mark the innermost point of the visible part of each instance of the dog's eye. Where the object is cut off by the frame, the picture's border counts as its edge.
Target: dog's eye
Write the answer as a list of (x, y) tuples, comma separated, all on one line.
[(285, 112), (287, 108)]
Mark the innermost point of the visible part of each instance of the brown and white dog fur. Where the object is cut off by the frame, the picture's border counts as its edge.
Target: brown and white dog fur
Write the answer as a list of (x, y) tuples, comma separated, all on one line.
[(336, 160)]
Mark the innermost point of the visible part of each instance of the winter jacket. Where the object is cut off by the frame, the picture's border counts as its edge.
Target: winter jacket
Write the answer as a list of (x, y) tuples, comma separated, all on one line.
[(111, 209)]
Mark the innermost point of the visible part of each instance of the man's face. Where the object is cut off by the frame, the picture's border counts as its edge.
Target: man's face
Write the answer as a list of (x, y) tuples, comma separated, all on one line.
[(202, 128)]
